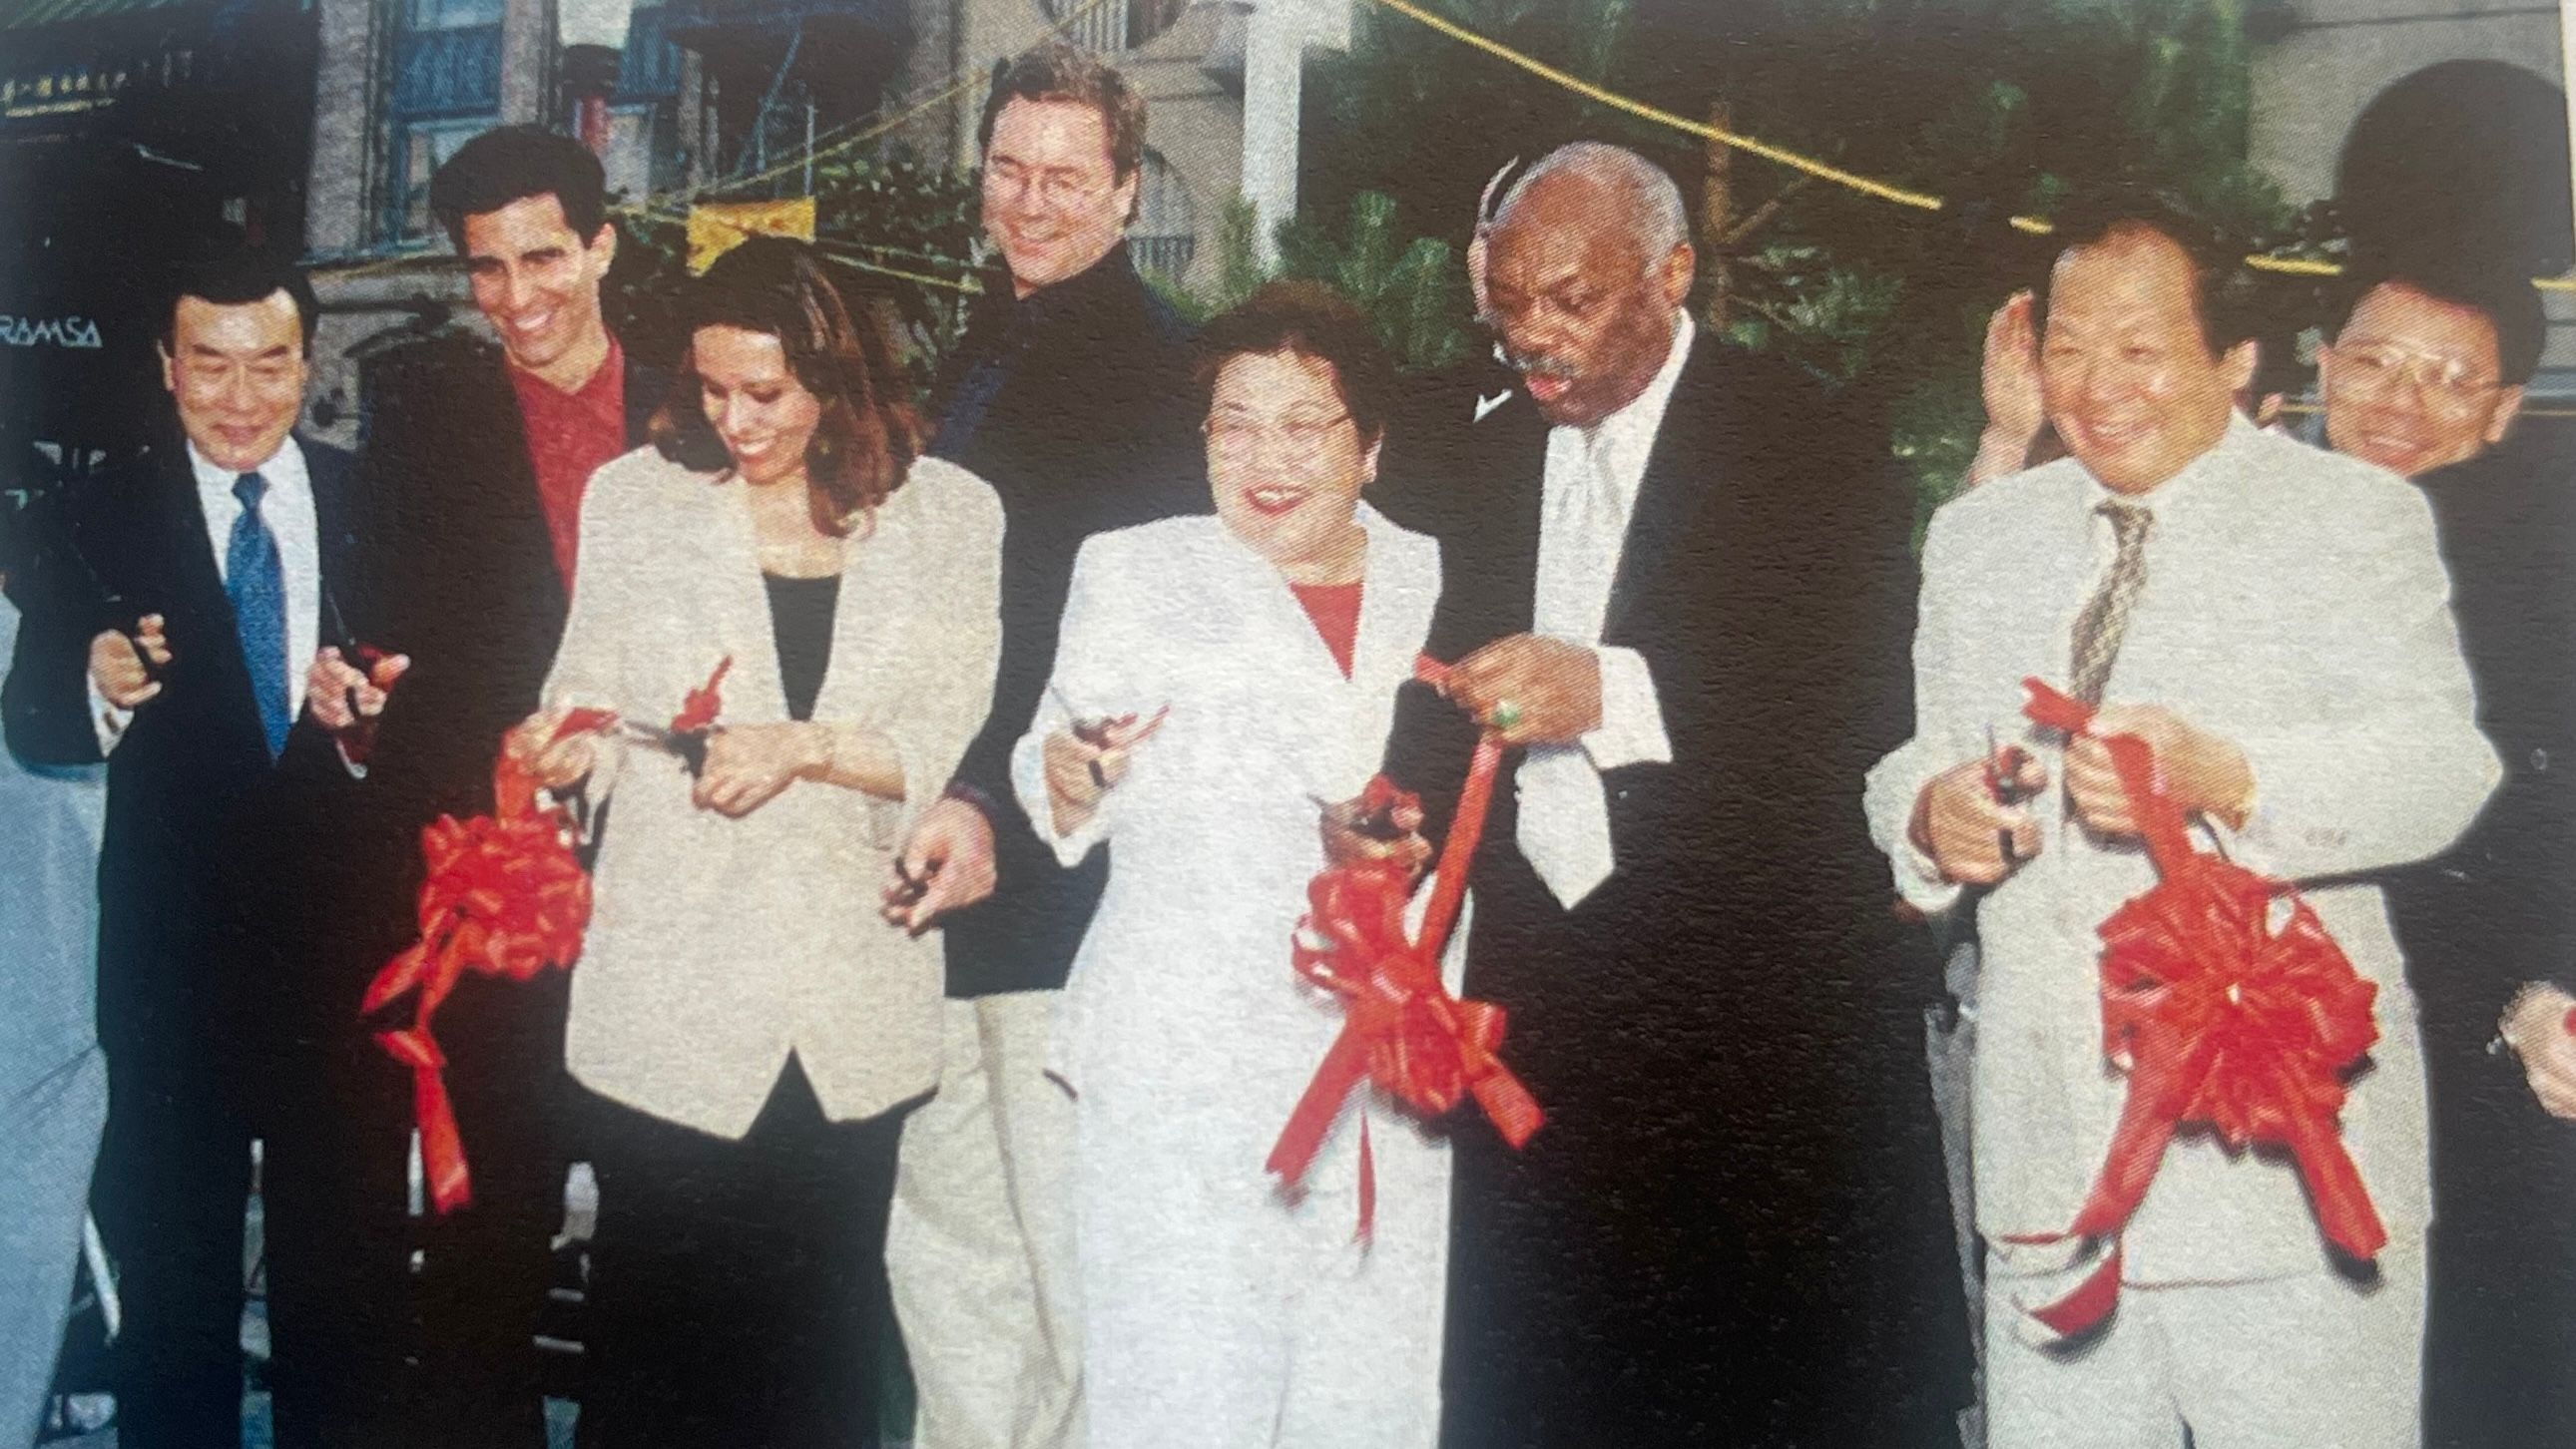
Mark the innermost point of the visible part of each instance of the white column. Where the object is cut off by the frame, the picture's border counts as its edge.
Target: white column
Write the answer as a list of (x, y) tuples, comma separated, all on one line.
[(2567, 69), (1274, 56), (338, 211), (526, 62)]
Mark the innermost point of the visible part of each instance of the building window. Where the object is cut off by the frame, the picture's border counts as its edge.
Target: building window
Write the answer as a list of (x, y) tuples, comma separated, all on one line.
[(1165, 235), (446, 90), (1117, 24), (426, 145)]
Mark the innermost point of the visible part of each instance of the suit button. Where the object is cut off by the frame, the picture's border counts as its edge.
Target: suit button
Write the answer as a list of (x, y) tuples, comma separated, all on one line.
[(2540, 760)]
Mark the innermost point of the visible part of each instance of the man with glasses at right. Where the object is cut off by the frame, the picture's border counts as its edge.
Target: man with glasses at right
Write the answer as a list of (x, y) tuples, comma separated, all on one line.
[(2425, 376)]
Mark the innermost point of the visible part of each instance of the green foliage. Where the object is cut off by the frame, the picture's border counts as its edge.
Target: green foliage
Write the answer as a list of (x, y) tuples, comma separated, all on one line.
[(872, 212), (1414, 289), (1999, 106)]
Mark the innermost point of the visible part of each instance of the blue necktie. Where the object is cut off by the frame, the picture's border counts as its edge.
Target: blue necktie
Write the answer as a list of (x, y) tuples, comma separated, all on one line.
[(255, 581)]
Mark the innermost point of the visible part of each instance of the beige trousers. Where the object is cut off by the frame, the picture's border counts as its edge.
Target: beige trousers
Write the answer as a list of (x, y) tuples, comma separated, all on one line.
[(2314, 1361), (980, 1249)]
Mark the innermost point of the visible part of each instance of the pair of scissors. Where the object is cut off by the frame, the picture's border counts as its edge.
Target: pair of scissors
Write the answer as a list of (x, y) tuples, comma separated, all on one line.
[(2004, 764), (690, 746), (1095, 730)]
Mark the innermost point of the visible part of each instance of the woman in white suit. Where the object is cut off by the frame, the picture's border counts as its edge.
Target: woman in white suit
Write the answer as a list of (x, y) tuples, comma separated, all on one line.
[(1216, 1310), (748, 1032)]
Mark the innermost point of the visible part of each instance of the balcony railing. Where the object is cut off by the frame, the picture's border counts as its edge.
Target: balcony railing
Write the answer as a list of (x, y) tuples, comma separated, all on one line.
[(1117, 25), (887, 15), (853, 39), (1167, 257), (448, 72)]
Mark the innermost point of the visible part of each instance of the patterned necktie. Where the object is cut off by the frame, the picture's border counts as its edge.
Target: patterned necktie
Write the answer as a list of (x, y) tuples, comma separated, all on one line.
[(2106, 615), (1564, 830), (255, 581)]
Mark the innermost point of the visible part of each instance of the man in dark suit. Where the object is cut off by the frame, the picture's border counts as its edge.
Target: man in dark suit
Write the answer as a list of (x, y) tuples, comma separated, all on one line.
[(1071, 395), (2424, 376), (231, 537), (476, 462), (1679, 584)]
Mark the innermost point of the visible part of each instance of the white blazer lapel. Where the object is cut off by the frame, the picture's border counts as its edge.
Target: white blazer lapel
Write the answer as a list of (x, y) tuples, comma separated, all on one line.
[(1395, 607)]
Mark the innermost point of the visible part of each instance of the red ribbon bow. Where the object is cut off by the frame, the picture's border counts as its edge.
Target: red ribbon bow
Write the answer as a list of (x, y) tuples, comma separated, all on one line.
[(2229, 1023), (1401, 1028), (504, 896)]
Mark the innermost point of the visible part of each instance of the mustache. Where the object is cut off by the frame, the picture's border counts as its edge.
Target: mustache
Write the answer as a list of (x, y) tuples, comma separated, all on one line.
[(1541, 364)]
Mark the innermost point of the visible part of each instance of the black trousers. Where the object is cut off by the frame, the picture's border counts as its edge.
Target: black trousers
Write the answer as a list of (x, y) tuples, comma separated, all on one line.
[(173, 1180), (2500, 1325), (738, 1292), (486, 1268), (1732, 1230)]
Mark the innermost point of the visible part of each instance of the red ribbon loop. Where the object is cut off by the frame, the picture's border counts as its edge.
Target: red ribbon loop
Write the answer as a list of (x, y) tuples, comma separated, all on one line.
[(1401, 1028), (2229, 1023)]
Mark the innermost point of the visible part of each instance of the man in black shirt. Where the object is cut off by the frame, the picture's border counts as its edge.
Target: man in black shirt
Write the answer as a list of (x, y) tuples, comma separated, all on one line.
[(2424, 376), (1071, 396)]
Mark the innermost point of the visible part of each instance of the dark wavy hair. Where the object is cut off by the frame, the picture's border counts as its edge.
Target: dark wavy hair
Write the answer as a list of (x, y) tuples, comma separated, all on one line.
[(513, 163), (868, 434)]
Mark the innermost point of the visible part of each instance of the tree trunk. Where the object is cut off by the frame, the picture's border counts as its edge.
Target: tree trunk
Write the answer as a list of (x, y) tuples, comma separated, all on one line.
[(1717, 216)]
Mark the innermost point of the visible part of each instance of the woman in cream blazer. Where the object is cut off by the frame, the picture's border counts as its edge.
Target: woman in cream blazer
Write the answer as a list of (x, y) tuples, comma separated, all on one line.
[(748, 1030)]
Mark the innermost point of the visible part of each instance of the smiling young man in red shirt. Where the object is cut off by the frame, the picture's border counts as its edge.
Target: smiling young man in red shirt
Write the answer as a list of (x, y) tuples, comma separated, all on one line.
[(477, 458)]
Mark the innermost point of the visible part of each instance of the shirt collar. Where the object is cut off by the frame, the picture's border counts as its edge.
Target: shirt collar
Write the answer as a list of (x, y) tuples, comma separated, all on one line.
[(1112, 276), (2180, 492), (1624, 437), (283, 469), (610, 372)]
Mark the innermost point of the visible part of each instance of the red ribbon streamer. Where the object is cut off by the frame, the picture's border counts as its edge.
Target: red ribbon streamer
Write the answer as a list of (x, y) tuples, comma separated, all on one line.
[(2228, 1023), (504, 896), (1401, 1028)]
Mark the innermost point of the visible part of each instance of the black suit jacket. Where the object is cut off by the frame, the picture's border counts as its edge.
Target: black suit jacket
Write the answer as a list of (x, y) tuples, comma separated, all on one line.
[(2495, 910), (462, 573), (1737, 1184), (1076, 405), (200, 873), (1768, 581)]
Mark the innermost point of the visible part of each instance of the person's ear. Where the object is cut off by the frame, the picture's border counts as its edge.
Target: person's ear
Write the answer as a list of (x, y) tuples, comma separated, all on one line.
[(2236, 365), (1675, 273), (1127, 192), (2508, 407), (1368, 461)]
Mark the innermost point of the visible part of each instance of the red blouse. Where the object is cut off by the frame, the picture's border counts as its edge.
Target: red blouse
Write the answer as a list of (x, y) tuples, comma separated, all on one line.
[(1335, 611)]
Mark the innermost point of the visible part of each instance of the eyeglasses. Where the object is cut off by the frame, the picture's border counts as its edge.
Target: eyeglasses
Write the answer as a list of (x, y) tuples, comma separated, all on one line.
[(1302, 432), (1054, 186), (2375, 369)]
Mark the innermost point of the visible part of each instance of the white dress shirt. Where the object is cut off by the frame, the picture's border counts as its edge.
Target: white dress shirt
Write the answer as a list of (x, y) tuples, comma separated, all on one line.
[(2295, 605), (287, 508), (1589, 496)]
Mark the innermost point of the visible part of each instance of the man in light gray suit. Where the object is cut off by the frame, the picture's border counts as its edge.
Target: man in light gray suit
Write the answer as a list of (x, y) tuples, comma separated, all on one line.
[(2273, 621)]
